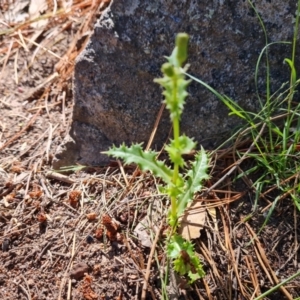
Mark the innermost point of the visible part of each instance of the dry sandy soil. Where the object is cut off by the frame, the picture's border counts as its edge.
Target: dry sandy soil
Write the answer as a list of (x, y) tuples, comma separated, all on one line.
[(71, 236)]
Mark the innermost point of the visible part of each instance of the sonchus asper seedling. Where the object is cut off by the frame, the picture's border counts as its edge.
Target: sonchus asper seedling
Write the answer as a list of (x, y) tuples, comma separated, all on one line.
[(180, 187)]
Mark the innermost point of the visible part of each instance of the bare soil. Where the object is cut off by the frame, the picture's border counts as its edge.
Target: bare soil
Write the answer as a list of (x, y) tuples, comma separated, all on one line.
[(71, 236)]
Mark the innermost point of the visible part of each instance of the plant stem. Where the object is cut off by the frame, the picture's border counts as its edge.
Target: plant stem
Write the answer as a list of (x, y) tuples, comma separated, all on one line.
[(176, 133)]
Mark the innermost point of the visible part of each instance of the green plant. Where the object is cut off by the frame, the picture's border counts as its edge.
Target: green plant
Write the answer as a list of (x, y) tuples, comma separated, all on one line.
[(274, 136), (179, 187), (274, 130)]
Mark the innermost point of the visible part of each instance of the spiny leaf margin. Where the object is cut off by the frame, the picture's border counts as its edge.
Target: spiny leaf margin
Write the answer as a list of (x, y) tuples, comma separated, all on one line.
[(195, 177), (191, 266), (146, 160)]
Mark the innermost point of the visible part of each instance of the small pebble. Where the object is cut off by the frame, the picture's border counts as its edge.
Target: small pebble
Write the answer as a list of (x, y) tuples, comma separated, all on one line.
[(5, 245), (79, 270), (89, 239)]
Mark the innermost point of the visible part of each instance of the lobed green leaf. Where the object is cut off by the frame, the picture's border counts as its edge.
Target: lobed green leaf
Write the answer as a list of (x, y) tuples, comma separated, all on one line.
[(175, 103), (195, 177), (184, 258), (184, 145), (146, 160)]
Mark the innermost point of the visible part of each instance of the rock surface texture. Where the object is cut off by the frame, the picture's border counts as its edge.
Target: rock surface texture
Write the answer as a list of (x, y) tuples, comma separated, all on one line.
[(116, 99)]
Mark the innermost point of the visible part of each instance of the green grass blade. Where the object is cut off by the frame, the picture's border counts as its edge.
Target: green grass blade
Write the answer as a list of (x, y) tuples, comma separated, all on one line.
[(273, 289), (293, 71)]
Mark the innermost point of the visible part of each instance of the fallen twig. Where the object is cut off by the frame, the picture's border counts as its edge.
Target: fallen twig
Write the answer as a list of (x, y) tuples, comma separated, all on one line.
[(145, 285)]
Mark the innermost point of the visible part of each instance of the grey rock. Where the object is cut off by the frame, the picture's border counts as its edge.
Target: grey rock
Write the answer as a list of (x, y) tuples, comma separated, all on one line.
[(116, 99)]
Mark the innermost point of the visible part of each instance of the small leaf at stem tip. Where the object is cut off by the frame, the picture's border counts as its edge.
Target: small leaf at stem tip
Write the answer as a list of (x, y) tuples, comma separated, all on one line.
[(168, 69), (182, 44)]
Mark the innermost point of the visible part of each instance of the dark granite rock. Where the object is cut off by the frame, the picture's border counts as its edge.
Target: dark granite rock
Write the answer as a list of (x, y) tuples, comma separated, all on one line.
[(115, 97)]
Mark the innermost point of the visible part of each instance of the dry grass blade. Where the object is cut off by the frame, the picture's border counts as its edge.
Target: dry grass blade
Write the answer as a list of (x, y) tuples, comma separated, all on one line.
[(253, 275), (207, 289), (60, 177), (215, 201), (215, 272), (147, 274), (260, 251), (232, 254)]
